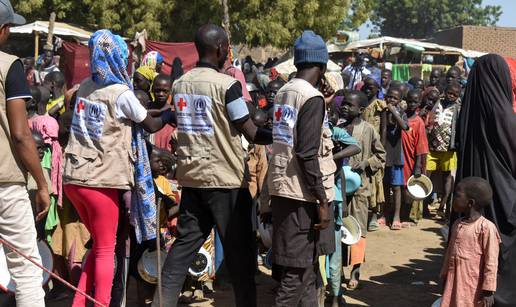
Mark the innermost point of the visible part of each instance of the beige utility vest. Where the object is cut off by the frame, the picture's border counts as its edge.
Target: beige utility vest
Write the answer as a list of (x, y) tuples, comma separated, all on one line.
[(11, 168), (286, 178), (99, 152), (209, 152)]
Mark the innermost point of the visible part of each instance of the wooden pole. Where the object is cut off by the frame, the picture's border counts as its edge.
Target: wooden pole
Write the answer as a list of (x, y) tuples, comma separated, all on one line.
[(158, 253), (36, 46), (226, 18), (49, 44)]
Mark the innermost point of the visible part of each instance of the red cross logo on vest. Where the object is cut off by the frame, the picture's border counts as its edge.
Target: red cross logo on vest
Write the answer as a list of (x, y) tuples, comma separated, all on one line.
[(278, 114), (80, 106), (181, 104)]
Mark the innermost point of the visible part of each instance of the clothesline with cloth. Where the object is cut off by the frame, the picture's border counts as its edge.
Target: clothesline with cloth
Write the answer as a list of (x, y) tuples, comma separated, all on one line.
[(403, 72)]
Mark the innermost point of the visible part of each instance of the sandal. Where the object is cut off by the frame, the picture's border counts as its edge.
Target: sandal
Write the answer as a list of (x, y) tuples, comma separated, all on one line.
[(352, 284), (373, 226), (396, 226), (381, 221)]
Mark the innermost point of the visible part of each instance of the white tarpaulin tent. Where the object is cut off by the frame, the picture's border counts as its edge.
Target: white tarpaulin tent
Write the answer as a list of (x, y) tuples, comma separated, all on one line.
[(387, 41), (60, 29), (287, 67)]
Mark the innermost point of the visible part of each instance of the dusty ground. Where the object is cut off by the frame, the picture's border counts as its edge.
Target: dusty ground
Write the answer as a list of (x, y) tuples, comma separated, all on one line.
[(401, 270)]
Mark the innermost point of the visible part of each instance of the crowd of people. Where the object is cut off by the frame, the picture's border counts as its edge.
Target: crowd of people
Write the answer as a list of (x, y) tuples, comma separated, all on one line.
[(252, 166)]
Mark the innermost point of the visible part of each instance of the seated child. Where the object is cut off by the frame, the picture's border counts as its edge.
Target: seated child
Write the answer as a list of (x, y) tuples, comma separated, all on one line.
[(415, 149), (366, 163), (441, 127), (393, 179), (471, 261)]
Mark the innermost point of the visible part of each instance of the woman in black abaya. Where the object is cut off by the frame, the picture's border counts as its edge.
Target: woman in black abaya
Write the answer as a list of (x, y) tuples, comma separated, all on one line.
[(487, 148)]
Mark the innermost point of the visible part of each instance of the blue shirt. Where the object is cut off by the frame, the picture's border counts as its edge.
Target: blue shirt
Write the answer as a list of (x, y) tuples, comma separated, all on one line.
[(340, 135)]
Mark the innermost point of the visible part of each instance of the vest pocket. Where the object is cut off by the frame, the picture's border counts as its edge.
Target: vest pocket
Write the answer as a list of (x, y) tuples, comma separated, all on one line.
[(278, 171), (80, 163), (194, 163)]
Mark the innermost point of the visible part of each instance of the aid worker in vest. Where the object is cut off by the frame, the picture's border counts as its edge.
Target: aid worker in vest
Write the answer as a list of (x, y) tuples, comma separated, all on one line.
[(99, 159), (18, 156), (301, 175), (211, 168)]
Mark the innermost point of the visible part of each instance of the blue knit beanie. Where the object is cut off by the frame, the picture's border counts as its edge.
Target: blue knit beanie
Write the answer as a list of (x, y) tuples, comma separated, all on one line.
[(310, 48)]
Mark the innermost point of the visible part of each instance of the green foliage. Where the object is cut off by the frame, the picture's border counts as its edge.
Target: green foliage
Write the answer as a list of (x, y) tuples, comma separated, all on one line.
[(254, 22), (361, 11), (418, 19)]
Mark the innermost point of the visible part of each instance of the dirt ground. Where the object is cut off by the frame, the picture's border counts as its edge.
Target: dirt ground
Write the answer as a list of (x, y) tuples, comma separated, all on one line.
[(401, 270)]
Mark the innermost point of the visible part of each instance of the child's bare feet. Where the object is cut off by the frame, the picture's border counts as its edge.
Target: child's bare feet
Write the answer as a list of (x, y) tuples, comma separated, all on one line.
[(396, 225)]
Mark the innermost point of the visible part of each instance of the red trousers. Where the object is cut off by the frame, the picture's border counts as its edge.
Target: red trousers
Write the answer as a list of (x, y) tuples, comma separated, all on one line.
[(98, 210)]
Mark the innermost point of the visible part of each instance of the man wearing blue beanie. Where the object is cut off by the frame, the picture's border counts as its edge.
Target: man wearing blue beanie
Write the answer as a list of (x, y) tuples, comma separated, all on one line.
[(301, 175)]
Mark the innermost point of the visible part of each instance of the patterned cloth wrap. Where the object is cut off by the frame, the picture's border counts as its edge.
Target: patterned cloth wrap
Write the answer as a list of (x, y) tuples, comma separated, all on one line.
[(109, 55), (108, 59), (143, 200)]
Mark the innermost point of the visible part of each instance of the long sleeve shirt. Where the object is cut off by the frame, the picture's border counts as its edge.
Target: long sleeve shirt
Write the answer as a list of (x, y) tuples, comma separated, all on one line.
[(309, 123)]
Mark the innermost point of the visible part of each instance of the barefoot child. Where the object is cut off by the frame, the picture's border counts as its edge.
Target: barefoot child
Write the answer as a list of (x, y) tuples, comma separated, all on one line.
[(471, 260), (345, 146), (376, 115), (393, 179), (415, 149), (441, 137), (367, 163)]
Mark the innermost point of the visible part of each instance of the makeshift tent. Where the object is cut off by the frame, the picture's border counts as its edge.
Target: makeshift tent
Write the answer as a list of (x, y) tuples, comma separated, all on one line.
[(60, 29), (75, 58), (287, 67), (185, 51), (424, 47)]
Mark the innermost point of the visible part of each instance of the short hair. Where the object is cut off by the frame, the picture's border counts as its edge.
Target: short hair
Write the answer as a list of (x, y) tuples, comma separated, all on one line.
[(57, 77), (208, 37), (162, 77), (278, 81), (456, 68), (396, 88), (369, 79), (414, 80), (416, 91), (387, 71), (395, 83), (362, 98), (166, 156), (478, 189), (455, 85)]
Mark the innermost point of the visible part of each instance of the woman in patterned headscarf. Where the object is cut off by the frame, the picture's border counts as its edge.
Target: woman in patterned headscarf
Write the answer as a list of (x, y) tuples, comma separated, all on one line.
[(99, 157)]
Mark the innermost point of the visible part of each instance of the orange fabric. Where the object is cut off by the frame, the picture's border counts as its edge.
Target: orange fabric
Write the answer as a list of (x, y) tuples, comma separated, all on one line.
[(512, 68), (357, 252)]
